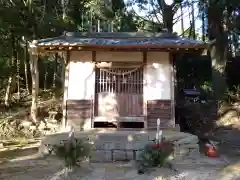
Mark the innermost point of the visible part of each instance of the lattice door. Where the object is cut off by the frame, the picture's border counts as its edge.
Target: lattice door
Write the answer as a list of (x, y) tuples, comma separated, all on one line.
[(119, 92)]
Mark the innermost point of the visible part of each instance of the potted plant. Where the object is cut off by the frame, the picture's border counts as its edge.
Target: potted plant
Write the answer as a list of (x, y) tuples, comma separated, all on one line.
[(154, 155), (72, 151)]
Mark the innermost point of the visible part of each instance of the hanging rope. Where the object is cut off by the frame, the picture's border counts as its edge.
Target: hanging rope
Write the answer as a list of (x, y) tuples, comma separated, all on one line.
[(122, 73)]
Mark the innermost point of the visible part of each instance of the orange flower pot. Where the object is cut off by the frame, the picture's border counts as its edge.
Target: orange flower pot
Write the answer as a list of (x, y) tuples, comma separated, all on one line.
[(210, 151)]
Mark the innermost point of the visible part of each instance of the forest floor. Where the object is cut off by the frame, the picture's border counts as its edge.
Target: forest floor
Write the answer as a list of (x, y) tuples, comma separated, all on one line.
[(16, 125), (33, 168)]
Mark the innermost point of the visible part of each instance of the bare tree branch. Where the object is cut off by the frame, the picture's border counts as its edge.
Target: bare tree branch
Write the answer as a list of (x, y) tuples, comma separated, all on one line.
[(154, 11), (185, 14), (139, 16)]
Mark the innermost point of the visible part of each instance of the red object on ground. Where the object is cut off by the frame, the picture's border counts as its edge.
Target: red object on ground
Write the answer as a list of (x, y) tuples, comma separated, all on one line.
[(210, 150)]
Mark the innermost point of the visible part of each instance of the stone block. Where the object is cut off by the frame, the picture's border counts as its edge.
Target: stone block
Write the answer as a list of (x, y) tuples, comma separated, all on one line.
[(119, 145), (194, 153), (43, 150), (120, 155), (101, 156), (181, 153), (105, 145), (138, 155), (189, 146), (130, 145), (191, 139), (139, 145), (174, 135)]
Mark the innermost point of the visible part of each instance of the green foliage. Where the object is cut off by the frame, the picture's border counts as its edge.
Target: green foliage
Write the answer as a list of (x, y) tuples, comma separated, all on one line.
[(193, 72), (155, 155), (232, 95), (72, 151)]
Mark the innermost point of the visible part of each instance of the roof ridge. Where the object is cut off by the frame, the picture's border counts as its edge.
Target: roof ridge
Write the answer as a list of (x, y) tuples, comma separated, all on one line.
[(119, 35)]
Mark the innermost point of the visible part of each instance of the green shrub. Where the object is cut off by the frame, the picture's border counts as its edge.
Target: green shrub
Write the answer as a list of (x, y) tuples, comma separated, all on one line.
[(72, 151), (232, 95), (154, 155)]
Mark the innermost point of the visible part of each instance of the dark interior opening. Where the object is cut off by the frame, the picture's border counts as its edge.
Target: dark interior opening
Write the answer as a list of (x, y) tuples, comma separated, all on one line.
[(104, 125), (132, 125)]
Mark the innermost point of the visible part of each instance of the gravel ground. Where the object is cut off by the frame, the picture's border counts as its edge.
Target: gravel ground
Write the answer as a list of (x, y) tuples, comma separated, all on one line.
[(30, 168)]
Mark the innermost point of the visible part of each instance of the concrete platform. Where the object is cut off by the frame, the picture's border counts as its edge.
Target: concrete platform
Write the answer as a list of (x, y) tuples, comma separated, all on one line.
[(125, 145)]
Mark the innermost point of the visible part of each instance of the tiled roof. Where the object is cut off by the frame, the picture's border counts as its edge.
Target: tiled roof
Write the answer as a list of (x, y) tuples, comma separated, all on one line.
[(120, 39)]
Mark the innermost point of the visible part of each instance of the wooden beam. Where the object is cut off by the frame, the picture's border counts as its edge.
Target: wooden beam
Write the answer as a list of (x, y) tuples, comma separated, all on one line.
[(172, 87), (144, 57), (65, 89), (118, 64), (144, 100), (45, 49), (42, 49), (93, 97), (74, 47), (94, 56)]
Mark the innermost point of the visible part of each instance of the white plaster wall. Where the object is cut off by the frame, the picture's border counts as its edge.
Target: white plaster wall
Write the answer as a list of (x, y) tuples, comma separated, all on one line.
[(157, 73), (81, 76), (157, 76), (119, 56)]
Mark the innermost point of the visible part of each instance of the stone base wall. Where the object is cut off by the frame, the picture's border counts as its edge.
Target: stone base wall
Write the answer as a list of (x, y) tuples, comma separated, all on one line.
[(123, 145)]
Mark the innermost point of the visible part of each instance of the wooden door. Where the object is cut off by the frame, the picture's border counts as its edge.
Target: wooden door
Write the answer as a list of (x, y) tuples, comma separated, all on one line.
[(119, 92)]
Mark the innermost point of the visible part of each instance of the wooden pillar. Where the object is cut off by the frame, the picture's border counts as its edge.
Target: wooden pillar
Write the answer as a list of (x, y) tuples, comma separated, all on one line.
[(144, 100), (172, 85), (65, 89), (94, 55)]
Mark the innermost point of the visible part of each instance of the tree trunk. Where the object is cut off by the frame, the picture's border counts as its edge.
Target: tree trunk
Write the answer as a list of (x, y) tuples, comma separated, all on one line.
[(63, 65), (168, 17), (35, 86), (8, 92), (55, 75), (98, 25), (26, 62), (11, 79), (203, 21), (182, 22), (18, 78), (193, 22), (64, 4), (219, 50), (45, 77)]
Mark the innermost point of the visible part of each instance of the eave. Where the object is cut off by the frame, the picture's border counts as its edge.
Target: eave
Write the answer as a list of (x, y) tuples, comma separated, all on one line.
[(117, 42)]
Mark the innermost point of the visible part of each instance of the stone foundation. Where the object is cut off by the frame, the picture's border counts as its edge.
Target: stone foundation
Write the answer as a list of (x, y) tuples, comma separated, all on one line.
[(125, 146)]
